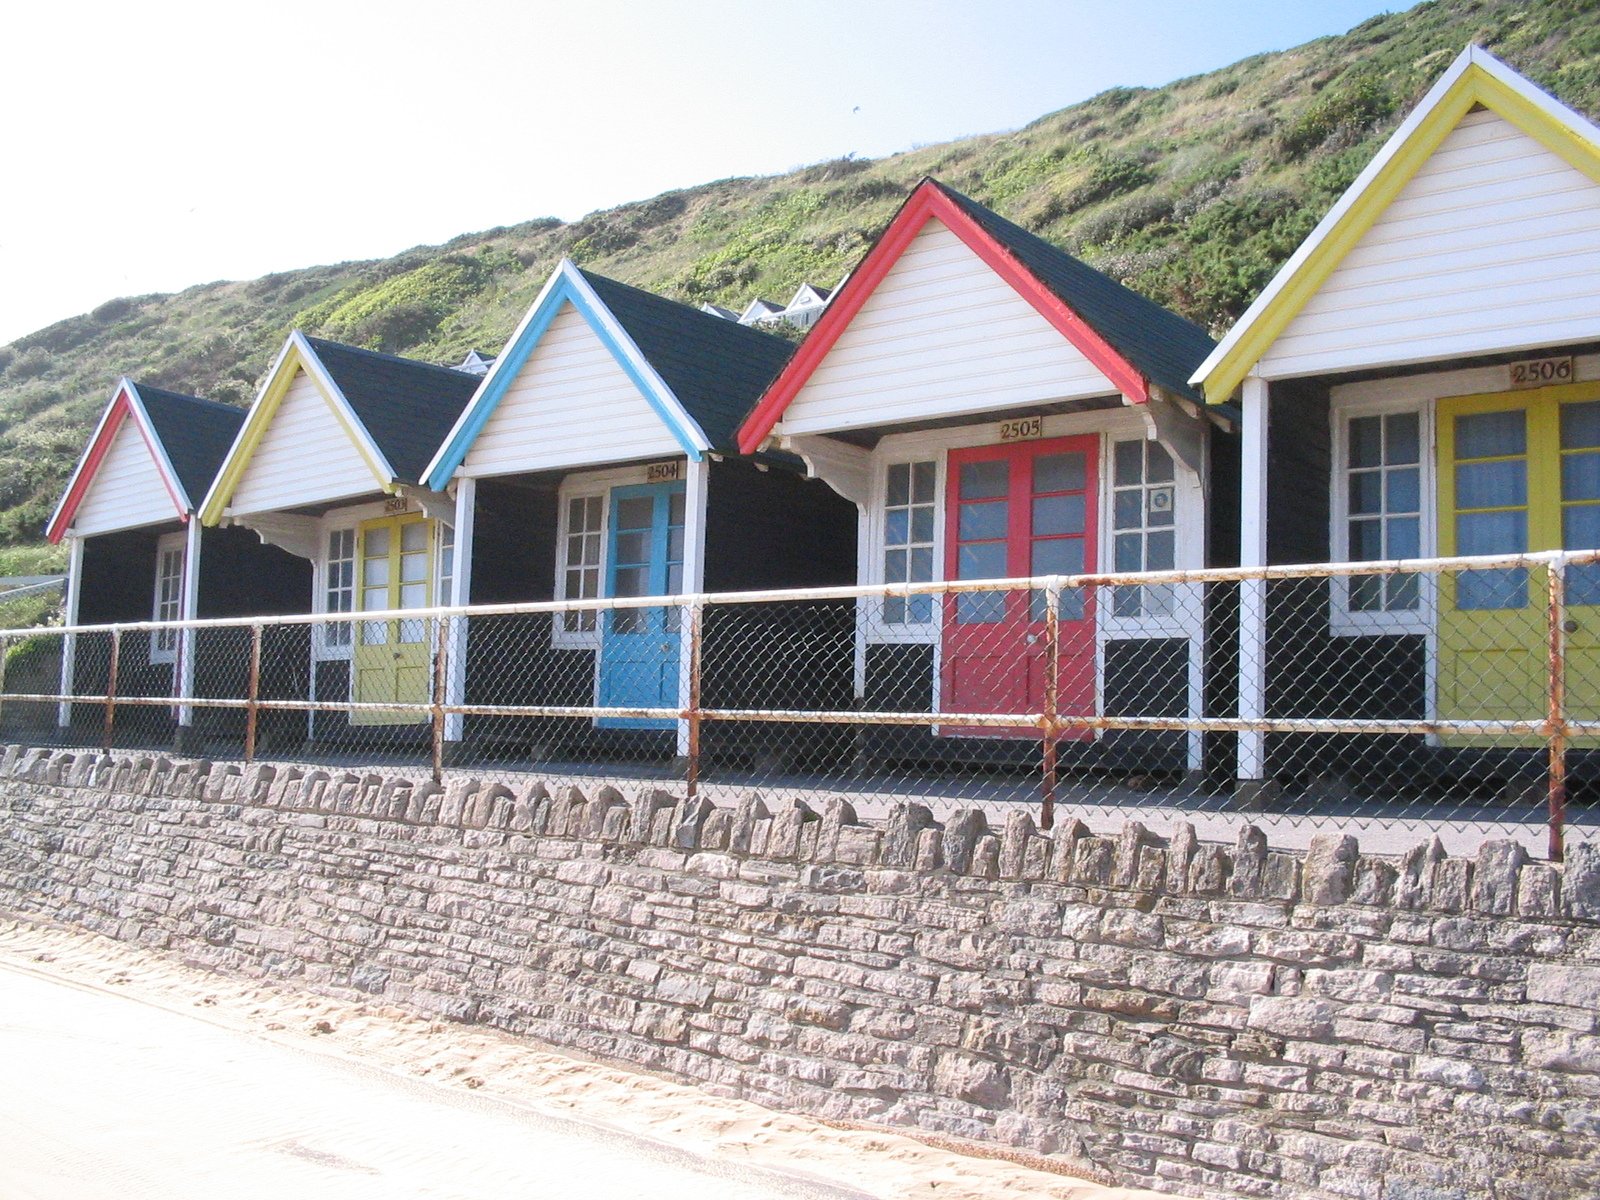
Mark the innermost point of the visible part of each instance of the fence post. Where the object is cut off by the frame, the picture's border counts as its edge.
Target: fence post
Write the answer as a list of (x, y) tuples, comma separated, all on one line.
[(1052, 700), (111, 687), (5, 657), (254, 694), (1555, 714), (691, 768), (441, 675)]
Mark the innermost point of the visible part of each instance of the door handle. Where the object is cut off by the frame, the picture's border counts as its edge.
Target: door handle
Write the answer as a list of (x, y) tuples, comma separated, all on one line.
[(1032, 639), (1570, 626)]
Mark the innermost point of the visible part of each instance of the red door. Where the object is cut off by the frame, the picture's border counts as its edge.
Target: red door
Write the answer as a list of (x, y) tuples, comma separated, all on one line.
[(1019, 510)]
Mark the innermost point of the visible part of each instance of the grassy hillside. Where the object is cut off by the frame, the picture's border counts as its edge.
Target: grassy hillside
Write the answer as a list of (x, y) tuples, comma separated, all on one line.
[(1191, 193)]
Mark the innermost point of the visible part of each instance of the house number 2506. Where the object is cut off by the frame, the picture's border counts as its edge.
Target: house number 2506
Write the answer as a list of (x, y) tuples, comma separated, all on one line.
[(1026, 427)]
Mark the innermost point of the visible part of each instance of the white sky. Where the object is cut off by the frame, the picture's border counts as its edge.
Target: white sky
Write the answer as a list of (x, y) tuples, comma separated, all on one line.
[(151, 146)]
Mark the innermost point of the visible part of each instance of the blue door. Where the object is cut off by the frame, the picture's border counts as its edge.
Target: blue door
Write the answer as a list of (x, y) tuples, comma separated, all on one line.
[(639, 646)]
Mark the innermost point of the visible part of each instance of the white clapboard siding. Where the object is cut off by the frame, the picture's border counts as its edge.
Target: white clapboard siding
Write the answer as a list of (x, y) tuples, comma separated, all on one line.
[(127, 491), (304, 457), (941, 335), (569, 405), (1493, 245)]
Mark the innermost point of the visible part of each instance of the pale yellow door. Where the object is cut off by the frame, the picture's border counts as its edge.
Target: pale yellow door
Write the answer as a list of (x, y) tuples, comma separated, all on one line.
[(393, 659), (1518, 471)]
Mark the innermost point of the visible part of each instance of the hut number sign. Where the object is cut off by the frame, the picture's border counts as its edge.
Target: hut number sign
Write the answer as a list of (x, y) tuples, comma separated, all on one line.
[(1021, 429), (664, 472), (1541, 372)]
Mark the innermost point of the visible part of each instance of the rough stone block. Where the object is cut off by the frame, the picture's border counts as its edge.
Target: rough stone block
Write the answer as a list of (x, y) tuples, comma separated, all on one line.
[(1093, 860), (423, 807), (1299, 1017), (1249, 863), (836, 813), (986, 857), (1580, 881), (1125, 863), (1019, 830), (974, 1080), (1539, 890), (456, 796), (1181, 847), (1494, 881), (930, 851), (1208, 871), (1452, 885), (1374, 881), (1415, 879), (751, 812), (1330, 868), (961, 834), (783, 840), (1577, 986), (902, 830)]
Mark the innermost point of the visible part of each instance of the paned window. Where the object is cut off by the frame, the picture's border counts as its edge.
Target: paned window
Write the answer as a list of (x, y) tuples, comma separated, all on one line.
[(168, 597), (339, 586), (447, 564), (1143, 504), (908, 539), (580, 559), (1383, 506)]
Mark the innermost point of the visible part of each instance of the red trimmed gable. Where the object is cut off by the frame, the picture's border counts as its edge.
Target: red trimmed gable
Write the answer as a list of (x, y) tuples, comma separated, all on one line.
[(120, 410), (929, 202)]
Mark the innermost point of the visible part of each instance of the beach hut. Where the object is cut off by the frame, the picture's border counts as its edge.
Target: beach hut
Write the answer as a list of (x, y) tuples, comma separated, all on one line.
[(996, 408), (598, 460), (1423, 377), (328, 466), (138, 554)]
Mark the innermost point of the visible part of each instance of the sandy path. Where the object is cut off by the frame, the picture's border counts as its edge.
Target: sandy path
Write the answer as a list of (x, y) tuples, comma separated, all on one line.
[(77, 1011)]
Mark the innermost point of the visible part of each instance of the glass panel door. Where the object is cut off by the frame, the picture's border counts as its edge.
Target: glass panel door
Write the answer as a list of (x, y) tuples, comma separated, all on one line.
[(392, 659), (1018, 510), (639, 652)]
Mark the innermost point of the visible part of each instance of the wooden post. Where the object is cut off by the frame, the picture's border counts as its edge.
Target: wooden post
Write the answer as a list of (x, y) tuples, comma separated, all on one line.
[(1052, 701), (693, 621), (111, 687), (441, 673), (250, 708)]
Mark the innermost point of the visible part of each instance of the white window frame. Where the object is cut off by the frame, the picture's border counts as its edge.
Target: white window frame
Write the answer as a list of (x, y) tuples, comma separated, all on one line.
[(1184, 617), (1342, 620), (330, 648), (583, 486), (877, 631), (164, 643)]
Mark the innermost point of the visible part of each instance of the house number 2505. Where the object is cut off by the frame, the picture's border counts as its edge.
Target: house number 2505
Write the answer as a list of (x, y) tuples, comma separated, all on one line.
[(1026, 427)]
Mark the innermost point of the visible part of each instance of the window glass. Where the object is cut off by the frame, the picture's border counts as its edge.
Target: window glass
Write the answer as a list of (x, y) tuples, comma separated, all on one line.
[(580, 563), (1383, 490), (1491, 505), (340, 584), (908, 539), (1142, 503), (168, 598)]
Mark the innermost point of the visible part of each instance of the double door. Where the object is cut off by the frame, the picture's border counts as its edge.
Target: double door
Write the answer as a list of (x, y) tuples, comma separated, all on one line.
[(1518, 472), (639, 647), (1019, 510), (393, 659)]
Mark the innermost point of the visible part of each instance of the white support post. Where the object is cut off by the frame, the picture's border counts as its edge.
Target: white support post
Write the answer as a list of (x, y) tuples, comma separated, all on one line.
[(189, 611), (69, 644), (696, 491), (867, 610), (455, 689), (1252, 761)]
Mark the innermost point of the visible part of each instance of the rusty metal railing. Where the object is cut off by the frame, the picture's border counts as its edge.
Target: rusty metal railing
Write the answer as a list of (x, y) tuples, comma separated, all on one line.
[(762, 668)]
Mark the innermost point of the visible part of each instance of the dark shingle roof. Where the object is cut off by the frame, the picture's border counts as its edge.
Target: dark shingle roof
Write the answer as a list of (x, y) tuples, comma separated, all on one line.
[(1161, 344), (717, 368), (408, 407), (196, 433)]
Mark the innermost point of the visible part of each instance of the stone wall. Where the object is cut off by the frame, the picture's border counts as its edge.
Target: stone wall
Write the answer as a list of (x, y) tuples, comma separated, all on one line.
[(1214, 1021)]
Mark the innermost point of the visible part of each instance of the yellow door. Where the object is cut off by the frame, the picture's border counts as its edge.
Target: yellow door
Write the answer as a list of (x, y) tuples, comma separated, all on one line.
[(393, 659), (1517, 471)]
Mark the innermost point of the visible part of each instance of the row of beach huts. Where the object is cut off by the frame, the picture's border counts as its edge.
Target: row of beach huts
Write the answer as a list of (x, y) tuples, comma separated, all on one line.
[(1421, 378)]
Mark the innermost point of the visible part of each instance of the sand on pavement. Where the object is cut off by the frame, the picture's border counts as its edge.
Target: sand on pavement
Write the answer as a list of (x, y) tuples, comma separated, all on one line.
[(499, 1068)]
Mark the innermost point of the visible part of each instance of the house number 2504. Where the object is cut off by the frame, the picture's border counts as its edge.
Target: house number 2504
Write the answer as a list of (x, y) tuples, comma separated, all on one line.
[(1026, 427)]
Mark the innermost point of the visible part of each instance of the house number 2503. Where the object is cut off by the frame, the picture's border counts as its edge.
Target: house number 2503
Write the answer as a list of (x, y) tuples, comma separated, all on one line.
[(1026, 427)]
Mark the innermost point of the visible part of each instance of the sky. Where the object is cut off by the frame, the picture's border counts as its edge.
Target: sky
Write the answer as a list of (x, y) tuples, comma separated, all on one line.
[(157, 145)]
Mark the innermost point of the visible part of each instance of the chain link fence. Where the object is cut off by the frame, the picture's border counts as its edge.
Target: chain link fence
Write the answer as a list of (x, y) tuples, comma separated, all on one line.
[(1454, 698)]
